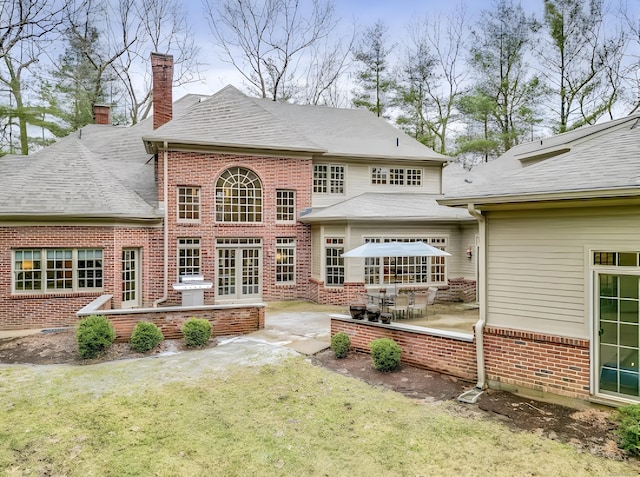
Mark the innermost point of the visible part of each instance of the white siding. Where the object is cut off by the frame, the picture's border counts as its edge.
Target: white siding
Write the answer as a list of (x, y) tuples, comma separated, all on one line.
[(538, 269), (316, 252), (358, 181)]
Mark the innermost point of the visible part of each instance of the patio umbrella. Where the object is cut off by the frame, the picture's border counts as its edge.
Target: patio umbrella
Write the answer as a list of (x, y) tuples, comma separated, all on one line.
[(395, 249)]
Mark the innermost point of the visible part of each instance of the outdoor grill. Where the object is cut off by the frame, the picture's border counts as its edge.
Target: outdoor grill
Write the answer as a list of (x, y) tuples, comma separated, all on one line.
[(192, 288)]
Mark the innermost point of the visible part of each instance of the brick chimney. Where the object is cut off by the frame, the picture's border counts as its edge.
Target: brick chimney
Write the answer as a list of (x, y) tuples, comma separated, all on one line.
[(162, 72), (101, 114)]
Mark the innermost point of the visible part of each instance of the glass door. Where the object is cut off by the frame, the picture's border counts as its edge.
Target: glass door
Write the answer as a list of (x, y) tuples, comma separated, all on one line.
[(618, 334), (238, 270), (130, 277)]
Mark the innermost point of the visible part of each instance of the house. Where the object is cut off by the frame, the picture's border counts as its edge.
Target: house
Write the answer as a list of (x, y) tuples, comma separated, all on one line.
[(260, 198), (559, 227)]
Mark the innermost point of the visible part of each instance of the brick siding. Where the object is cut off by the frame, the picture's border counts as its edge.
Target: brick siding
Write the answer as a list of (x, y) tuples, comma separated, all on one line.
[(541, 362), (37, 310)]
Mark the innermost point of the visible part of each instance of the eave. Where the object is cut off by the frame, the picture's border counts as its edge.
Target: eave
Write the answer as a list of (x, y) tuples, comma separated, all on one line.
[(578, 198)]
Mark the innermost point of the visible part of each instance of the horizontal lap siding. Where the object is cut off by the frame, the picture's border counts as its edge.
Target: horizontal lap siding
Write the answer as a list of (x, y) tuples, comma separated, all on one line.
[(536, 264)]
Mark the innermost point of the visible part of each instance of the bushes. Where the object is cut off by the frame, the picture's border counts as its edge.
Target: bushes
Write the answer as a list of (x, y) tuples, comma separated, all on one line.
[(385, 354), (145, 337), (196, 332), (94, 335), (340, 344), (629, 428)]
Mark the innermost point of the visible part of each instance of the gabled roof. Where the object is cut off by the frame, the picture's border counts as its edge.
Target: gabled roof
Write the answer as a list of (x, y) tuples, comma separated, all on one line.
[(591, 162), (387, 207), (230, 119)]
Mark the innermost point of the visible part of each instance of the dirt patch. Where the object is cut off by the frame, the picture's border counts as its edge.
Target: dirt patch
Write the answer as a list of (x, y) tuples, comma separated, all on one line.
[(61, 347), (589, 430)]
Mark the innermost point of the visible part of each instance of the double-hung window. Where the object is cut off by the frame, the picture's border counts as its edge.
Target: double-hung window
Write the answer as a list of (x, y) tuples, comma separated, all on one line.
[(57, 270), (334, 262), (285, 260), (188, 204), (188, 256), (285, 205)]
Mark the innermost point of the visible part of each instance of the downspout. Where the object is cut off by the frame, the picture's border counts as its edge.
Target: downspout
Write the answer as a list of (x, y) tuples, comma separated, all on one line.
[(165, 270), (482, 281)]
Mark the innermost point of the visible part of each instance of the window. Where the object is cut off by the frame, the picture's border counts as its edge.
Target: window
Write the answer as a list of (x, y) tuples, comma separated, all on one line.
[(334, 270), (238, 196), (54, 270), (328, 179), (188, 256), (396, 176), (407, 270), (285, 205), (285, 260), (188, 204)]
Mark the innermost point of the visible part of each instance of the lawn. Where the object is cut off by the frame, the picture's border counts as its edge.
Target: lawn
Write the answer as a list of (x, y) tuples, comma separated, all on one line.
[(179, 416)]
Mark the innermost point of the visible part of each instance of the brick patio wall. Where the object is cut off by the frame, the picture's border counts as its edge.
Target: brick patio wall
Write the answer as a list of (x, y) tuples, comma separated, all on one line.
[(543, 363), (446, 355), (225, 320)]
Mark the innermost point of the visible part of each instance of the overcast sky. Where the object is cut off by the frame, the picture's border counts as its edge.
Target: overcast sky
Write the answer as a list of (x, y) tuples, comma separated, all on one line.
[(397, 15)]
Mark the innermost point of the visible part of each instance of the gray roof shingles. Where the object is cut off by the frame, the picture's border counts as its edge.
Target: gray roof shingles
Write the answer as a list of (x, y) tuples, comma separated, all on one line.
[(605, 157)]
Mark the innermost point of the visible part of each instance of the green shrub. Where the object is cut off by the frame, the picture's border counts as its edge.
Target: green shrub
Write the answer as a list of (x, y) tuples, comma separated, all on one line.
[(94, 334), (145, 337), (385, 354), (629, 428), (196, 332), (340, 344)]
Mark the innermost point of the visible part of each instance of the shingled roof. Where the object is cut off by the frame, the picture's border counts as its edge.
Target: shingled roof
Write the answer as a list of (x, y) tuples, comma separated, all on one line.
[(593, 161), (230, 119)]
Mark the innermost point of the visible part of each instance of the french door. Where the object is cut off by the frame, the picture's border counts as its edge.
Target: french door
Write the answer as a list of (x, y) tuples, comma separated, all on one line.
[(238, 269), (618, 334), (131, 285)]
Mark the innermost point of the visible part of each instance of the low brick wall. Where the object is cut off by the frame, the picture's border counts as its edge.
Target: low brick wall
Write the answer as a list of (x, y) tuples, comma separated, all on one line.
[(543, 363), (447, 355), (225, 320)]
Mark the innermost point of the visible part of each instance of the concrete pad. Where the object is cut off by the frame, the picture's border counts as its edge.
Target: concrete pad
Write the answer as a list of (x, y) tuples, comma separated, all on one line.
[(309, 347)]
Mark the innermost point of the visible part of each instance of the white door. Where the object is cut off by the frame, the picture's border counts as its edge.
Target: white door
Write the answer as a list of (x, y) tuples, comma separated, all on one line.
[(130, 277), (238, 270)]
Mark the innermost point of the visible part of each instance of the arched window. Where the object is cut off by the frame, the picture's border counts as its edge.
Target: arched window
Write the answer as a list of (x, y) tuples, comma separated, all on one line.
[(238, 196)]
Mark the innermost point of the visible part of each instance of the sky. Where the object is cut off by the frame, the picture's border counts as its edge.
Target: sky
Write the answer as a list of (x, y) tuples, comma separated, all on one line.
[(396, 14)]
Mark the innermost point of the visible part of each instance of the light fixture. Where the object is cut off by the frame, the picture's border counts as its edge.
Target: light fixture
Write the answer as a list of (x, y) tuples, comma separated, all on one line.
[(278, 257), (27, 265), (469, 252)]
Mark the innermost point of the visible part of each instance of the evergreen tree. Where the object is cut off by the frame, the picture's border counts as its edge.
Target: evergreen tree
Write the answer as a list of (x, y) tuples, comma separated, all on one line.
[(374, 80)]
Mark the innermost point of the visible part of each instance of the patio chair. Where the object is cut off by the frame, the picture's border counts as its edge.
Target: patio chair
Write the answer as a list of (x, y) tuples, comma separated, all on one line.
[(422, 300), (401, 307)]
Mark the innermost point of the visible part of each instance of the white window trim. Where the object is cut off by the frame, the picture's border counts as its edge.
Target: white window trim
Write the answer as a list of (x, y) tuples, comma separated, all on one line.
[(43, 290)]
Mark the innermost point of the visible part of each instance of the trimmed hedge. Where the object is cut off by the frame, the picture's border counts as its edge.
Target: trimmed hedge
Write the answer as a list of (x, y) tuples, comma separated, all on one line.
[(196, 332), (629, 428), (94, 334), (340, 344), (385, 354), (145, 337)]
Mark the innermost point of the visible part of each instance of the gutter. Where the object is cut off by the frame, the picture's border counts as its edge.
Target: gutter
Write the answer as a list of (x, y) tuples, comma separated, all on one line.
[(471, 396), (165, 269)]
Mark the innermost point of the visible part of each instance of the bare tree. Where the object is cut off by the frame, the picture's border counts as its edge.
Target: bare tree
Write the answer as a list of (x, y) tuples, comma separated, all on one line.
[(265, 40), (26, 28), (158, 26), (582, 58), (433, 77)]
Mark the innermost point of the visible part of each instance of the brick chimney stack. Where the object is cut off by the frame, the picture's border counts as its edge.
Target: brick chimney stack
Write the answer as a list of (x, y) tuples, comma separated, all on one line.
[(162, 72), (101, 114)]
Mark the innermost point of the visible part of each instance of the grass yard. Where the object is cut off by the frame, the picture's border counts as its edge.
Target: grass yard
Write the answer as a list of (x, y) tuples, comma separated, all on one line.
[(293, 419)]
